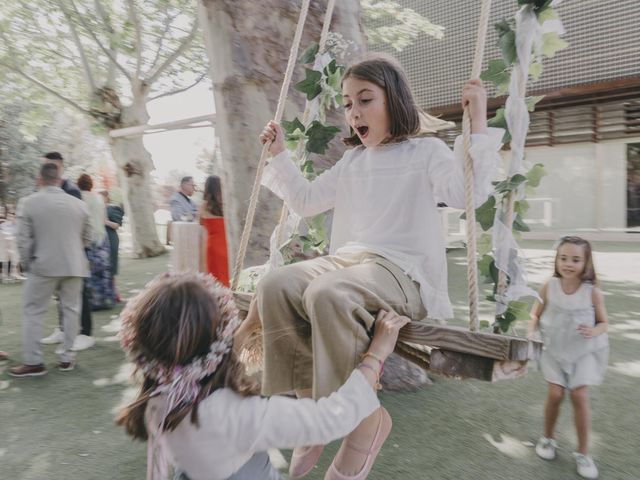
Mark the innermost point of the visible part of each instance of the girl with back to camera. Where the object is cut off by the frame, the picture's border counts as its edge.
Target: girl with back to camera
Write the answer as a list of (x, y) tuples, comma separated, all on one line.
[(197, 409), (573, 322), (386, 250)]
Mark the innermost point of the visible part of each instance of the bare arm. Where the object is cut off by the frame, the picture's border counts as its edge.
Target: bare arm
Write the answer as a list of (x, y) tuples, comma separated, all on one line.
[(602, 321), (536, 311), (112, 225)]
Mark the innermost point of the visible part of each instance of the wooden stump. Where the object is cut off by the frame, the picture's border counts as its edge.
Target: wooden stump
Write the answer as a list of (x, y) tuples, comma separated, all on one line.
[(186, 255)]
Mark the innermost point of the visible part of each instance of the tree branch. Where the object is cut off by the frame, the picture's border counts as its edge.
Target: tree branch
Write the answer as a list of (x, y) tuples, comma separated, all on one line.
[(138, 29), (180, 90), (171, 58), (44, 87), (99, 43), (167, 26), (76, 39)]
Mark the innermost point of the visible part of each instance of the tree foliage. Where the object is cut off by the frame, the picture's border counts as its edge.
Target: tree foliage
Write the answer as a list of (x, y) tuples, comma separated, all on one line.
[(390, 23), (87, 53)]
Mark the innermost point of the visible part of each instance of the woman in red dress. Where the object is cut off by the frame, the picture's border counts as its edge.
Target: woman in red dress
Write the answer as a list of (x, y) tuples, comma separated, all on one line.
[(211, 218)]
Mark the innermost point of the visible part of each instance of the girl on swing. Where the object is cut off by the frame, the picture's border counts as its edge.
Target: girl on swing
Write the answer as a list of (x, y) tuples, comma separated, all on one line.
[(386, 250)]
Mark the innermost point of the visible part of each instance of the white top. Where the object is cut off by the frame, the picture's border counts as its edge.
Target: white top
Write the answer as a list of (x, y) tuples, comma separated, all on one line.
[(385, 202), (97, 215), (233, 428), (559, 322)]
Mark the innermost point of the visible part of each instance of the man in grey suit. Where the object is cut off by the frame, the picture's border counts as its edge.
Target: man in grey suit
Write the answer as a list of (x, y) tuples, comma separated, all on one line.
[(53, 230), (182, 207)]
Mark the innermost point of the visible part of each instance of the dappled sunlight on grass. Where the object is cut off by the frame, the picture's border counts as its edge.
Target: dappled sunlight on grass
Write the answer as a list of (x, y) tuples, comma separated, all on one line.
[(277, 459), (632, 336), (113, 326), (112, 338), (508, 445), (631, 369), (123, 377), (627, 325)]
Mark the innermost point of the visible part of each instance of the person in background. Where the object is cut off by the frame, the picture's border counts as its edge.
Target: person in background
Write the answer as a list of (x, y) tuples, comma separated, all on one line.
[(182, 207), (100, 283), (67, 185), (8, 249), (53, 231), (72, 189), (115, 215), (212, 219)]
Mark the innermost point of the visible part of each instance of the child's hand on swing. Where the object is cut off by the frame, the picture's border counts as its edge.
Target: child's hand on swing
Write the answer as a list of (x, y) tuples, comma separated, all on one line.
[(272, 133), (386, 330), (474, 96)]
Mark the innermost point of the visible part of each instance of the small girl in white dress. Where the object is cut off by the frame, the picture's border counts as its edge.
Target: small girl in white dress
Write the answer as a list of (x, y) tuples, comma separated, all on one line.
[(573, 322)]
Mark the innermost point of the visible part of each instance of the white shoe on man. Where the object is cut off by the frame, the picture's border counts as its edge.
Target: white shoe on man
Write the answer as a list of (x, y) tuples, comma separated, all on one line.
[(56, 337), (82, 342)]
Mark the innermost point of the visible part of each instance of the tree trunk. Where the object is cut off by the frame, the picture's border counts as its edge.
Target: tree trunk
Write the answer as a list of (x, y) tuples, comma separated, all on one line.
[(248, 44), (134, 166)]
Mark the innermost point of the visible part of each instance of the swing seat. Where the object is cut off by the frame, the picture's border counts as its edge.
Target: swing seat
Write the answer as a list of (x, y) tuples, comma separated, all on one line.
[(456, 352)]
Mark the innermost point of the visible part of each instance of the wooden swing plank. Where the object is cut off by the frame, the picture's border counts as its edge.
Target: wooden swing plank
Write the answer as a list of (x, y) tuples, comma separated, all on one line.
[(458, 365), (455, 351), (459, 339), (464, 365)]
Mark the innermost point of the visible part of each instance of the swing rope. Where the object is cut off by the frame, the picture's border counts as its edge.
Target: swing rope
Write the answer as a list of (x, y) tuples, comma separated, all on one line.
[(284, 213), (472, 267), (253, 200)]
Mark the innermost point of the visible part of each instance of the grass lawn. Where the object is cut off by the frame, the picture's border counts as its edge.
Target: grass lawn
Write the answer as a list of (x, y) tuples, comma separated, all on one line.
[(60, 426)]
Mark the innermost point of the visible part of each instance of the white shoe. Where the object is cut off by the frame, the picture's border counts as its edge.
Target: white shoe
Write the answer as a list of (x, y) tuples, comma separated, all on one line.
[(56, 337), (546, 448), (82, 342), (585, 466)]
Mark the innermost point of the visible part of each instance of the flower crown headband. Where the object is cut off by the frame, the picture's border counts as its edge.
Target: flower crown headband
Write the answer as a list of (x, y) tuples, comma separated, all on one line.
[(182, 382)]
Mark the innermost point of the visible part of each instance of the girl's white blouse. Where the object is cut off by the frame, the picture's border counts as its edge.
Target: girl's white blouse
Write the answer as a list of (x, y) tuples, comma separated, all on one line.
[(385, 202), (231, 428)]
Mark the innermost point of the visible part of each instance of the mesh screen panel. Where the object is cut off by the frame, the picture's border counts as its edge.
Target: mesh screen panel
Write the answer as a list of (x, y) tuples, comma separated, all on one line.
[(604, 38)]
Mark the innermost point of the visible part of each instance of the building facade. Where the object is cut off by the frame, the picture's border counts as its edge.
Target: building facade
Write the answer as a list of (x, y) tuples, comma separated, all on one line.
[(586, 131)]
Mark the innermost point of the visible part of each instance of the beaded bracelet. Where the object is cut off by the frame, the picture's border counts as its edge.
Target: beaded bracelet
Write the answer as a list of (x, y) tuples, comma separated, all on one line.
[(374, 356), (377, 385)]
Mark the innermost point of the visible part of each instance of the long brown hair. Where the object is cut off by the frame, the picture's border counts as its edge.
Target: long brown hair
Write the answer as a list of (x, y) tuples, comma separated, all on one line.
[(213, 195), (589, 273), (175, 321), (385, 72)]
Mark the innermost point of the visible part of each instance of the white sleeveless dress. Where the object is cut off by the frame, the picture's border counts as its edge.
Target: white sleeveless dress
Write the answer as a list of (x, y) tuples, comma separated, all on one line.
[(569, 359)]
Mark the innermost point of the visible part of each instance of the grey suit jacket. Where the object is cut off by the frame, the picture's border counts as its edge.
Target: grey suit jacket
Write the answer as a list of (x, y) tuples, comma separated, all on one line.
[(53, 230), (182, 206)]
